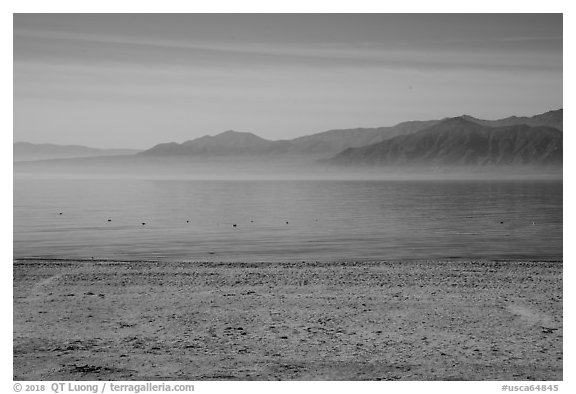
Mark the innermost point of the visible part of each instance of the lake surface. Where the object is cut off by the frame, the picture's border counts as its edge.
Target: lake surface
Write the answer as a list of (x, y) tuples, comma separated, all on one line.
[(286, 220)]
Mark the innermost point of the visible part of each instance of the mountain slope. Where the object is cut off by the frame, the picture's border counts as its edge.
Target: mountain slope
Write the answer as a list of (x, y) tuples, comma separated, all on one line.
[(340, 139), (24, 151), (551, 119), (226, 143), (239, 143), (324, 144), (460, 142)]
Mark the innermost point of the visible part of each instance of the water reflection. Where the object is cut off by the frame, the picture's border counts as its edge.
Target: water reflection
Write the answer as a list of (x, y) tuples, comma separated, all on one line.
[(287, 220)]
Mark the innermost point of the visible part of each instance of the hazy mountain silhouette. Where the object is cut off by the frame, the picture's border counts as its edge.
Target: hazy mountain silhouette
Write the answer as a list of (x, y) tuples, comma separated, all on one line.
[(340, 139), (550, 119), (24, 151), (239, 143), (324, 144), (461, 142), (227, 143)]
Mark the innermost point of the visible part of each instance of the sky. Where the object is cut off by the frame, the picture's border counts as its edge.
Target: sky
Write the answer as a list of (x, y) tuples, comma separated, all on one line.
[(136, 80)]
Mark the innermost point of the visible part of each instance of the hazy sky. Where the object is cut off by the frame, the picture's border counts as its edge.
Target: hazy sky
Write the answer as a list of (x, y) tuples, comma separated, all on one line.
[(134, 81)]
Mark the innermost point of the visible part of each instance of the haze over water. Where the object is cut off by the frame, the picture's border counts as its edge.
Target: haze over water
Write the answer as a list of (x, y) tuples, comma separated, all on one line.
[(286, 220)]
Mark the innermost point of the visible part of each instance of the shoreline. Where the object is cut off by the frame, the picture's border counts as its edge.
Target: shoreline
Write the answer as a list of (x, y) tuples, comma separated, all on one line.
[(448, 260), (374, 320)]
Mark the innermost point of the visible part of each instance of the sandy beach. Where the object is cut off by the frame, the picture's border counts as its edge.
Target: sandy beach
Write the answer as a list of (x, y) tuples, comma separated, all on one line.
[(415, 320)]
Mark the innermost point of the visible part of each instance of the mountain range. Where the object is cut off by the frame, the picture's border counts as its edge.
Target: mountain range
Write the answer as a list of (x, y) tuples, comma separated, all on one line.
[(551, 119), (25, 151), (323, 144), (459, 141)]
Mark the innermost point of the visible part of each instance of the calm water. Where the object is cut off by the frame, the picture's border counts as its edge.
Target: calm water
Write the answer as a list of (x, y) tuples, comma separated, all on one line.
[(286, 220)]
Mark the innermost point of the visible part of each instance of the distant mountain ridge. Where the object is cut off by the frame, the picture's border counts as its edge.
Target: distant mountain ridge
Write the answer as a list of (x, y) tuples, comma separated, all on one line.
[(340, 139), (551, 119), (241, 143), (324, 144), (24, 151), (227, 143), (461, 142)]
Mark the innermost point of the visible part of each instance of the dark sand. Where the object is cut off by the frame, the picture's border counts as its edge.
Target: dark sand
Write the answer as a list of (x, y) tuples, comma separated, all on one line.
[(85, 320)]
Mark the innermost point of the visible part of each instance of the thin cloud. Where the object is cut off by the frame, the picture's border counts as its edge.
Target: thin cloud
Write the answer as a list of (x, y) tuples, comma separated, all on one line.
[(62, 47)]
